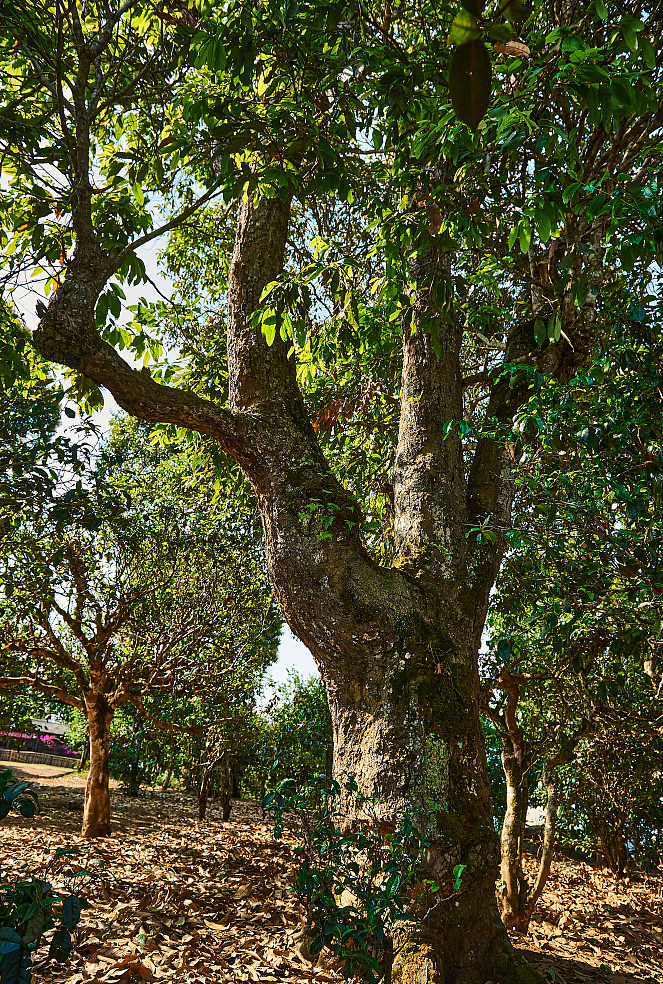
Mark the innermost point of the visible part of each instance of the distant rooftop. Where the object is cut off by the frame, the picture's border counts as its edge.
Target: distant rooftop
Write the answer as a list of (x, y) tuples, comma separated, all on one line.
[(46, 727)]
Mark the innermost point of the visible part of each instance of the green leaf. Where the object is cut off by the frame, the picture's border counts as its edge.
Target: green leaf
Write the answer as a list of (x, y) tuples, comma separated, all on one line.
[(61, 945), (570, 191), (9, 940), (500, 33), (35, 924), (648, 51), (470, 76), (601, 10), (13, 792), (71, 912), (27, 807), (268, 326), (543, 225), (514, 10), (525, 236), (474, 7), (540, 332), (458, 875), (15, 967), (630, 30), (464, 28)]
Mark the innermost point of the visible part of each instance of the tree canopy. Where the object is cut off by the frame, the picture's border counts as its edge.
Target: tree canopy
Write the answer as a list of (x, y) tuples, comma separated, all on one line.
[(385, 256)]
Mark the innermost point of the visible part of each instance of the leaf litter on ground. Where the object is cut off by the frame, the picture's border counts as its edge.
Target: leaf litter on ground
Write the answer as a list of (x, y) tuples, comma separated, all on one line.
[(178, 900)]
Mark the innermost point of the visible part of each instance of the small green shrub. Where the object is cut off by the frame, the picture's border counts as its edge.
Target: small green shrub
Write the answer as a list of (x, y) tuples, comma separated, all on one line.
[(28, 907), (355, 884), (16, 795)]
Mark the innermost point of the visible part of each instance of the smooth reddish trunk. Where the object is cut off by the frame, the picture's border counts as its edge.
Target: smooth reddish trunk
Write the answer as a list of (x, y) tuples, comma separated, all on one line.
[(97, 813), (513, 886)]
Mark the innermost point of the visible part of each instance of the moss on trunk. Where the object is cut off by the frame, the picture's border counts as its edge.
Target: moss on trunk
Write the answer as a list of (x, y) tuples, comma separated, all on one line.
[(410, 735)]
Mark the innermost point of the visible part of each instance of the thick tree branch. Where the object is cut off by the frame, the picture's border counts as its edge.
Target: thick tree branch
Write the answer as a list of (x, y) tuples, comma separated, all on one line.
[(45, 688)]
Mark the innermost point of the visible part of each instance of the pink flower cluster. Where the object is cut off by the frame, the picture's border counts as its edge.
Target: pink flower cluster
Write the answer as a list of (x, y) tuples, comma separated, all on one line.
[(56, 747)]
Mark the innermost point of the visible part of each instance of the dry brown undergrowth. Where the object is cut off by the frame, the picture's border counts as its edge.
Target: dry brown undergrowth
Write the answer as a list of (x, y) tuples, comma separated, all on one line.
[(179, 901)]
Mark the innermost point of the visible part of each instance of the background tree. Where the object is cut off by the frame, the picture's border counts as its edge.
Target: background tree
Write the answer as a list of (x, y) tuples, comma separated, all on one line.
[(575, 618), (157, 591), (297, 742), (496, 247), (612, 796)]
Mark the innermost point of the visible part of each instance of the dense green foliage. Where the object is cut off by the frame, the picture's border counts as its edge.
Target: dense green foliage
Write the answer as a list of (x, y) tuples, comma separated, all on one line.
[(576, 617), (148, 579), (298, 741), (16, 795), (613, 798)]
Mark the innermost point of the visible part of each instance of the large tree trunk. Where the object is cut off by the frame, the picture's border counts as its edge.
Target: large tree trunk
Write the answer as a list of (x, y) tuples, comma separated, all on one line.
[(97, 815), (397, 648), (411, 737)]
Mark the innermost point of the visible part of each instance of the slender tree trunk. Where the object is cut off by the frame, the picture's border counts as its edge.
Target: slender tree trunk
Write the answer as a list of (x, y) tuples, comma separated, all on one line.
[(85, 756), (169, 773), (204, 787), (549, 779), (96, 814), (225, 790), (202, 794), (518, 898), (514, 888), (613, 845)]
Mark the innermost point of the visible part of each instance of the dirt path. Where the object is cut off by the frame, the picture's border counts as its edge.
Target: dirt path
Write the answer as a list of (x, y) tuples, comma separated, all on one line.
[(32, 770), (180, 901)]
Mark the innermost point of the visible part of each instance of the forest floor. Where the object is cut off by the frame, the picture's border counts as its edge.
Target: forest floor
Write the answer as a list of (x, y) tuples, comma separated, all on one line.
[(180, 901)]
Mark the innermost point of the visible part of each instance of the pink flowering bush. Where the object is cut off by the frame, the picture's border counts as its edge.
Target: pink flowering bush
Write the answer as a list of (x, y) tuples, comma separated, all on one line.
[(56, 747)]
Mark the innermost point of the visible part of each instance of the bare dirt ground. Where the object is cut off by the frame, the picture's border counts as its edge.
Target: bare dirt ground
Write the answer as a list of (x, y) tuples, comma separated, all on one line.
[(32, 770), (176, 900)]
